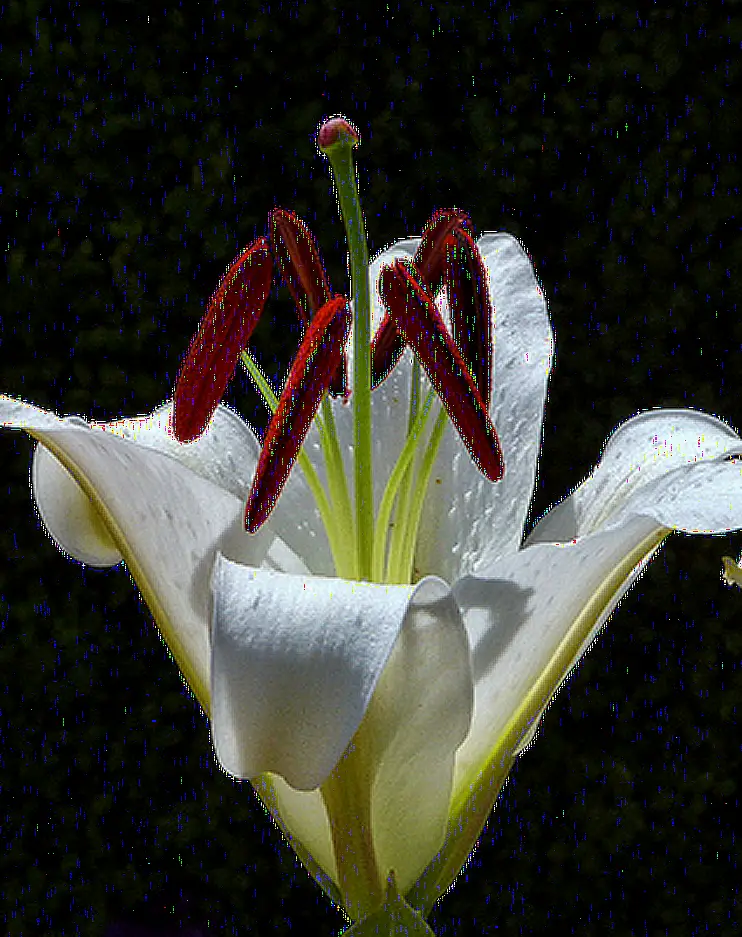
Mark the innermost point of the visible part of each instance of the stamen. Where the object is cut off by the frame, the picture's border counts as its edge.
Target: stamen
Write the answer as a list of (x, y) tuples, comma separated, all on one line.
[(430, 256), (301, 268), (299, 263), (418, 319), (429, 261), (471, 310), (316, 361), (386, 348), (224, 331)]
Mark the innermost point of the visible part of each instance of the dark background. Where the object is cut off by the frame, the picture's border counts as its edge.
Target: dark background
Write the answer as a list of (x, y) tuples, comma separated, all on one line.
[(143, 146)]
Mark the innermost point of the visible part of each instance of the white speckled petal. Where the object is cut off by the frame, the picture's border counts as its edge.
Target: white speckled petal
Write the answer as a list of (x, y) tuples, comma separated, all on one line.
[(165, 520), (225, 454), (294, 663), (527, 615), (666, 464), (466, 516), (529, 618)]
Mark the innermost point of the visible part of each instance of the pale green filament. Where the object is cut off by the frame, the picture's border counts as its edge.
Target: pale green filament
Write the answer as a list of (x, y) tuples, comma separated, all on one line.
[(338, 483), (404, 571), (414, 394), (400, 517), (400, 474), (336, 534), (397, 541)]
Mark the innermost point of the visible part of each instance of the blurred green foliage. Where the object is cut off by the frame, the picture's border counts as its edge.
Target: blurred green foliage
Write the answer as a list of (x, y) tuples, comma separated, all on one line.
[(142, 148)]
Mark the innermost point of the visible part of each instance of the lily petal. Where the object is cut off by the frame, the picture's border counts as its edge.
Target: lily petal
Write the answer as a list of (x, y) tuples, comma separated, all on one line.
[(677, 478), (529, 617), (397, 654), (138, 495), (226, 454), (419, 715), (482, 517), (294, 663), (658, 463)]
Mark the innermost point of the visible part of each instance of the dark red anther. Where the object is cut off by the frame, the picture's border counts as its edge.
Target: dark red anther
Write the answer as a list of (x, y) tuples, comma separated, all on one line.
[(429, 260), (418, 319), (430, 256), (317, 359), (299, 263), (298, 260), (471, 311), (386, 347), (224, 331)]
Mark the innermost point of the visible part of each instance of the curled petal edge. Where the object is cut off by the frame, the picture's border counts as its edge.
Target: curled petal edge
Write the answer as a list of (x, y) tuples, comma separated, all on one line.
[(267, 628)]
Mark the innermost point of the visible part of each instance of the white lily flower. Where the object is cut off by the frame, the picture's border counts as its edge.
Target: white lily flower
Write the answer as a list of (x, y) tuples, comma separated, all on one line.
[(378, 720), (447, 677)]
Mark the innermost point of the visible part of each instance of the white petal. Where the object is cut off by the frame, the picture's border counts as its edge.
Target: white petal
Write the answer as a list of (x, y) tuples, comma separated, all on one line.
[(418, 717), (294, 663), (302, 816), (166, 521), (529, 619), (225, 454), (665, 464), (531, 616), (467, 516), (68, 514)]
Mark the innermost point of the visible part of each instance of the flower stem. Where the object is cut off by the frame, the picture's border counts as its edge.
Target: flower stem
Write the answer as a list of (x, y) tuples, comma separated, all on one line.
[(347, 794), (339, 154)]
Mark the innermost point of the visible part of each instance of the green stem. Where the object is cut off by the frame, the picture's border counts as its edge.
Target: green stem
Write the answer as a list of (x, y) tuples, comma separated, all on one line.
[(341, 161)]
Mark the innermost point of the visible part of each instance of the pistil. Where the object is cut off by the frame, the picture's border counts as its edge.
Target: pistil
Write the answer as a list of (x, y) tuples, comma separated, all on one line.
[(336, 140)]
